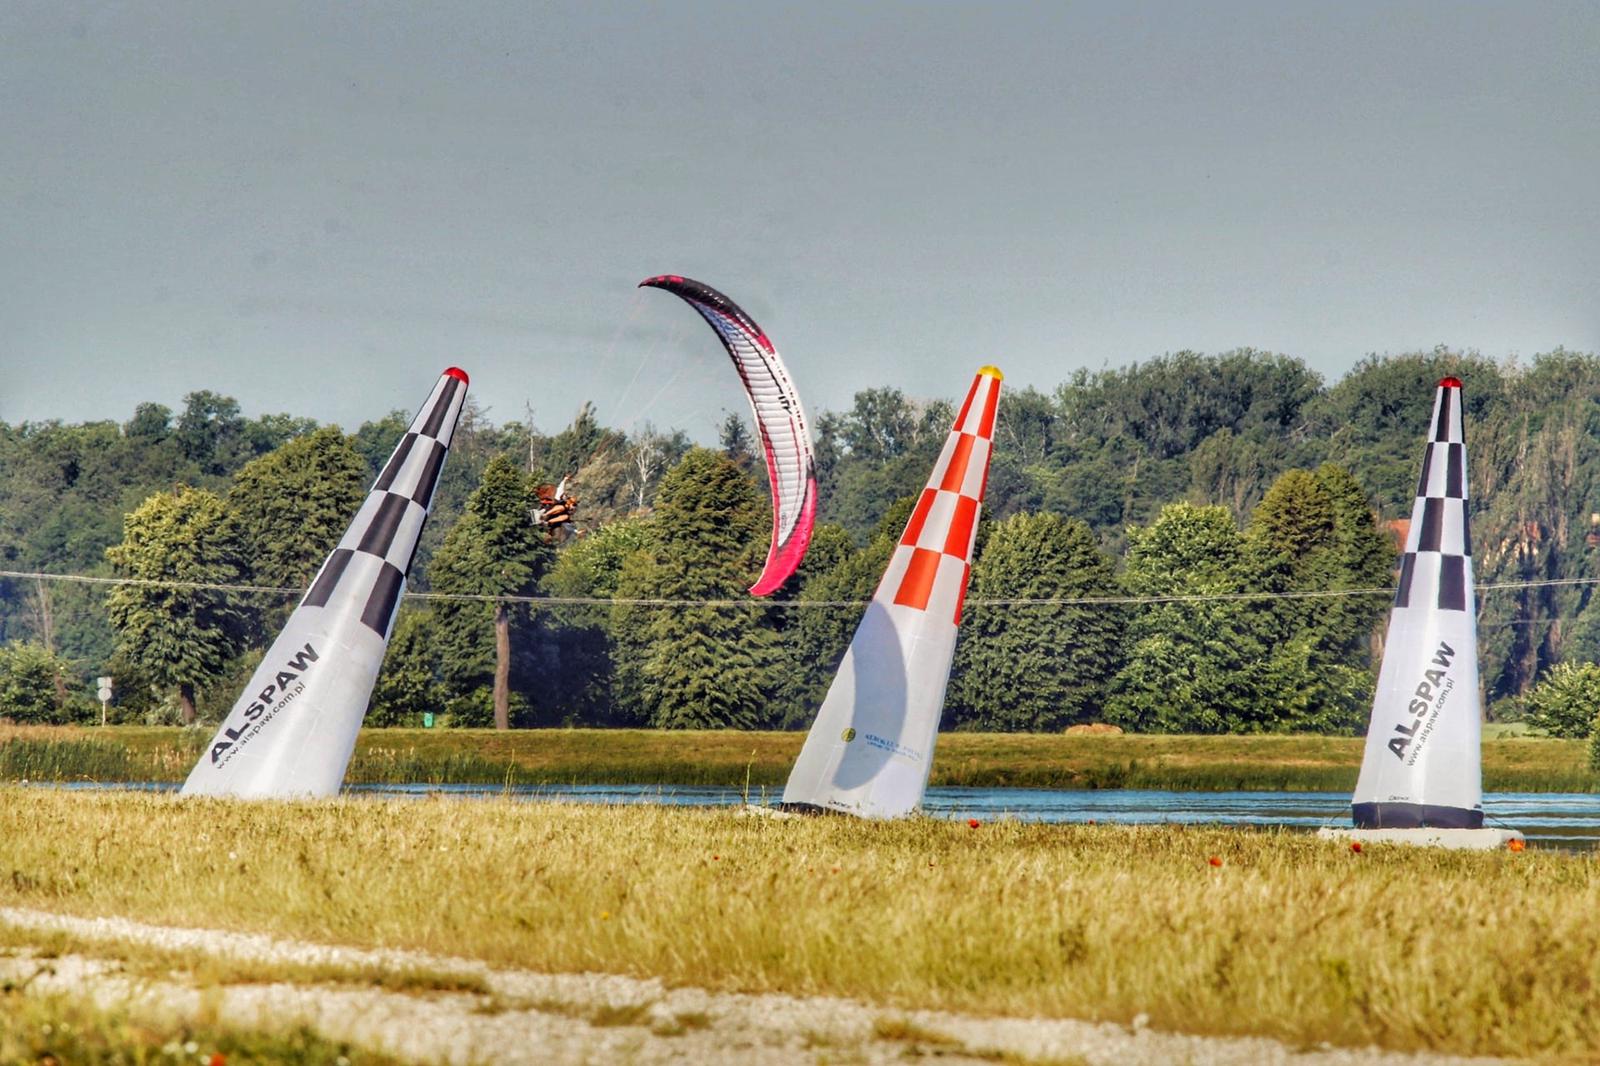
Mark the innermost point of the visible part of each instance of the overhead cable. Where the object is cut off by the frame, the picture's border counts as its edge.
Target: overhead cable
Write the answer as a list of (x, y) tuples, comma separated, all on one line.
[(605, 601)]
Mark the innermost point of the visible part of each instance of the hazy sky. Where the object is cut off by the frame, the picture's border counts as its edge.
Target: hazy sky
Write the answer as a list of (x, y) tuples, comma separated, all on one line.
[(315, 207)]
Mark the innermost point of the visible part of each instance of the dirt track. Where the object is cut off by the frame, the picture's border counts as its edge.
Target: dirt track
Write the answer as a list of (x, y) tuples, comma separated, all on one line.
[(595, 1018)]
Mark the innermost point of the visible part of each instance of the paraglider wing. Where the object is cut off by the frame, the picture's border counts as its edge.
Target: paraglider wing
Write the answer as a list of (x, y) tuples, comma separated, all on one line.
[(781, 421)]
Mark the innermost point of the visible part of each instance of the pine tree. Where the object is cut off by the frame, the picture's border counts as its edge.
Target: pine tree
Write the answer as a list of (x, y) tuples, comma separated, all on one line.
[(701, 666), (495, 550), (1036, 668), (733, 437), (177, 637)]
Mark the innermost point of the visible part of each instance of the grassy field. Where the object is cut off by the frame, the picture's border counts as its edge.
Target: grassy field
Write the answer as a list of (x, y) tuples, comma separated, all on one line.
[(70, 1030), (1203, 930), (628, 756)]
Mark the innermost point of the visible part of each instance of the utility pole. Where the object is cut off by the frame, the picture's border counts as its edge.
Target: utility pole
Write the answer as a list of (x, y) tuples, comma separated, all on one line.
[(527, 407)]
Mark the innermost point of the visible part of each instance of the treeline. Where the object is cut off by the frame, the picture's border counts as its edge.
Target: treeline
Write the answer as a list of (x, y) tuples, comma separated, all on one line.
[(1188, 475)]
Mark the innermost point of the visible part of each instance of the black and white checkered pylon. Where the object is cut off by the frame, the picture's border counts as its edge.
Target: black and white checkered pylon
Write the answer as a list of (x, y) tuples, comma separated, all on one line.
[(371, 563), (1436, 569)]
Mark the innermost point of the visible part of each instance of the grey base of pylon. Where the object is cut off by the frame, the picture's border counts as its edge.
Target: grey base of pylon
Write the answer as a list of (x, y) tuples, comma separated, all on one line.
[(1455, 839)]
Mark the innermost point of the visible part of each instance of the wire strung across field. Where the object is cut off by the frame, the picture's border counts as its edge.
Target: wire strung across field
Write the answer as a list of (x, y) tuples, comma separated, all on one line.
[(600, 601)]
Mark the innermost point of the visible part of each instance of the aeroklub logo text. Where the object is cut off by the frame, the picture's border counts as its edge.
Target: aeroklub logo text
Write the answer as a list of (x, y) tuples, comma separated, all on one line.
[(1429, 696), (265, 705)]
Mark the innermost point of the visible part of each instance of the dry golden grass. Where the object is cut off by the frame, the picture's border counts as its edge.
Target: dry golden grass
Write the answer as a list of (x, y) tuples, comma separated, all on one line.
[(207, 970), (1289, 937), (71, 1031)]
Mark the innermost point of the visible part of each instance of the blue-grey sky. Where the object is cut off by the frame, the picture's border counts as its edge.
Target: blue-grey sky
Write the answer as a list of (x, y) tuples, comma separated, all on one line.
[(315, 207)]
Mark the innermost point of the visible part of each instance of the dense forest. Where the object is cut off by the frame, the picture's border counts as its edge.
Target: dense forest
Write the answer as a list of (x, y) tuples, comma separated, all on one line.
[(1192, 475)]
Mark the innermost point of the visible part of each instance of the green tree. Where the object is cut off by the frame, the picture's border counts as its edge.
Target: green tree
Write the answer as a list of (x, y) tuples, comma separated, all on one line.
[(210, 430), (376, 441), (582, 685), (1535, 482), (1111, 447), (406, 685), (1191, 666), (876, 453), (292, 505), (1036, 667), (736, 441), (495, 550), (1566, 702), (1374, 420), (151, 422), (700, 665), (1233, 470), (815, 590), (177, 637), (63, 492), (1363, 556), (1169, 404), (218, 439), (832, 601), (474, 443), (1314, 531), (31, 683)]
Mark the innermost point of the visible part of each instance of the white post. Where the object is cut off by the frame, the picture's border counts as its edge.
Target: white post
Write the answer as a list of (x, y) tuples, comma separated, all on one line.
[(105, 697)]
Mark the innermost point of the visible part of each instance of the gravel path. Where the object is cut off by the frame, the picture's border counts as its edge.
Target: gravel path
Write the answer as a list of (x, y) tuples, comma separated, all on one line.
[(559, 1019)]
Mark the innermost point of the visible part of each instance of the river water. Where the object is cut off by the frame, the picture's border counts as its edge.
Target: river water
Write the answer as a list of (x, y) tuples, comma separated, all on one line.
[(1562, 820)]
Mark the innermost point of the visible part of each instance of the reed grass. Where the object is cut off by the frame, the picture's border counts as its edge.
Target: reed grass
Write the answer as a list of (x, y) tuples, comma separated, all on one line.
[(1287, 936), (733, 759)]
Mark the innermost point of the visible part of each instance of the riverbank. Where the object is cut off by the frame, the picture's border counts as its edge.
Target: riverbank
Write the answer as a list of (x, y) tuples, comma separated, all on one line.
[(762, 760), (1188, 930)]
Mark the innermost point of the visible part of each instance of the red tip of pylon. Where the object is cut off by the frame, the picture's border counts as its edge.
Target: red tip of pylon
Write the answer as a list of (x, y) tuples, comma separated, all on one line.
[(1449, 383), (457, 373)]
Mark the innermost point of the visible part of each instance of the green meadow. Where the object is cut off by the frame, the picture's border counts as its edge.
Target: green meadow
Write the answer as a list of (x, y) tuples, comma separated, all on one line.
[(762, 760)]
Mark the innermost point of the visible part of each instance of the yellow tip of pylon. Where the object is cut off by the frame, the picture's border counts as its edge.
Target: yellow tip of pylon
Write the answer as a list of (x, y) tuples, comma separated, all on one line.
[(992, 371)]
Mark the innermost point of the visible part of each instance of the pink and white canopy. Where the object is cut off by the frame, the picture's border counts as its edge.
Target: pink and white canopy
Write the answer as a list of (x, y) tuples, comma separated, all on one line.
[(779, 418)]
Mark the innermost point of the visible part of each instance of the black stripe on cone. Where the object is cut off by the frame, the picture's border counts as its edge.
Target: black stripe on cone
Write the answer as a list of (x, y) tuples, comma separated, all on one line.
[(1414, 816)]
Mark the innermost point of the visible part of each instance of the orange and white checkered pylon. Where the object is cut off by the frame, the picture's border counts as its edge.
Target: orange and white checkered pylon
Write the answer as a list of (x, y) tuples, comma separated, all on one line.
[(870, 749)]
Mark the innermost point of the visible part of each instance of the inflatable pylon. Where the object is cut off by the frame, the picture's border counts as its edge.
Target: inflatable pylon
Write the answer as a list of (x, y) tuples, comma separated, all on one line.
[(870, 750), (1421, 777), (292, 732)]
